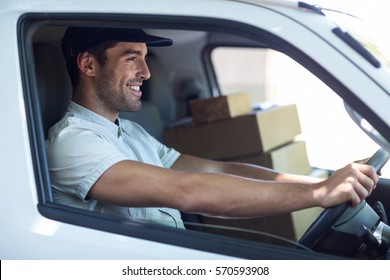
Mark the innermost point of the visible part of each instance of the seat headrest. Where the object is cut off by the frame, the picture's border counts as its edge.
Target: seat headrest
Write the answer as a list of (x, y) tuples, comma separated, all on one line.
[(54, 85)]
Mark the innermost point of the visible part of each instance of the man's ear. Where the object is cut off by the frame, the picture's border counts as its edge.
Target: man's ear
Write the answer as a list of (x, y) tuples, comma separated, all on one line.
[(86, 63)]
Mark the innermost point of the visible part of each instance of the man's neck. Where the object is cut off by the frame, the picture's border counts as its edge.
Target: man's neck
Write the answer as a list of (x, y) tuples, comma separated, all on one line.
[(95, 107)]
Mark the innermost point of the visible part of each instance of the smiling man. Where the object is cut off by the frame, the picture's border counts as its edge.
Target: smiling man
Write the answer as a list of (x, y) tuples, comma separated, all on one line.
[(102, 163)]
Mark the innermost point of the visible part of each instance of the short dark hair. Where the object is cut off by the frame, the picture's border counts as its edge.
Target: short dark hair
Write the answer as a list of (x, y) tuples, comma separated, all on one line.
[(99, 53)]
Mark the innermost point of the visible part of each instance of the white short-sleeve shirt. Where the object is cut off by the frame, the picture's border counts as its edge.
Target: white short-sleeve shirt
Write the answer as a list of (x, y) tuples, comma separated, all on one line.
[(83, 145)]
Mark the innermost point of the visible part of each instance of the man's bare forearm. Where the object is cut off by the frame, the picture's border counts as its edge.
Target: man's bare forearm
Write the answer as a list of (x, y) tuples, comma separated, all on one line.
[(195, 164)]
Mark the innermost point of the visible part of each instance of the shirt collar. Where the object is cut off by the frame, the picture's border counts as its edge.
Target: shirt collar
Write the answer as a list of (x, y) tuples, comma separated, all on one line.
[(86, 114)]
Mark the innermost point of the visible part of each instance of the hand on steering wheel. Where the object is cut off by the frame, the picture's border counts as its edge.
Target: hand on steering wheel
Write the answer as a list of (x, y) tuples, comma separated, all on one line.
[(330, 215)]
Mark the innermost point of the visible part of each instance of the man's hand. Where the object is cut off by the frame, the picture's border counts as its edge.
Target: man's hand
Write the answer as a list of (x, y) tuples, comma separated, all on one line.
[(352, 183)]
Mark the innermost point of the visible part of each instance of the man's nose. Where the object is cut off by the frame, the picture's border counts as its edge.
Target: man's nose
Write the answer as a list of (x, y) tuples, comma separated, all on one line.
[(144, 71)]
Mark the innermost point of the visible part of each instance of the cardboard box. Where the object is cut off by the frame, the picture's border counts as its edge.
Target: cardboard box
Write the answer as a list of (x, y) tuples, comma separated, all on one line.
[(302, 219), (220, 108), (250, 134), (291, 158)]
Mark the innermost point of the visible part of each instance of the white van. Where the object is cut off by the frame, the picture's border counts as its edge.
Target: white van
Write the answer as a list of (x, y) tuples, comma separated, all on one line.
[(278, 52)]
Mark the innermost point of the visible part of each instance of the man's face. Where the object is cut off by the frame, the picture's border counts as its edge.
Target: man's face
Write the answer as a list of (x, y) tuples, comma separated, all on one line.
[(118, 82)]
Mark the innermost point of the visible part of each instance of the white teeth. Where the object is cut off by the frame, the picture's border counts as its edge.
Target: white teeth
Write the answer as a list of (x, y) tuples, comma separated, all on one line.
[(135, 88)]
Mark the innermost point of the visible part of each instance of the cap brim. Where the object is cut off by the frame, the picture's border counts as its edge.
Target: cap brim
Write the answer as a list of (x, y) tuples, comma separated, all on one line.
[(155, 41), (80, 39), (149, 40)]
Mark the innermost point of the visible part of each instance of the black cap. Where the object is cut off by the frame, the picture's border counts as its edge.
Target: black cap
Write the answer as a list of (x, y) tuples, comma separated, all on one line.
[(80, 39)]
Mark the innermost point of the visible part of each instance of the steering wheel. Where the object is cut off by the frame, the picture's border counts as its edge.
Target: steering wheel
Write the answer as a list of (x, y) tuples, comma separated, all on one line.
[(329, 216)]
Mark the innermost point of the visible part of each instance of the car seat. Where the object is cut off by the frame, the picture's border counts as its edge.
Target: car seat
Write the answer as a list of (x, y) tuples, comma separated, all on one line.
[(54, 84)]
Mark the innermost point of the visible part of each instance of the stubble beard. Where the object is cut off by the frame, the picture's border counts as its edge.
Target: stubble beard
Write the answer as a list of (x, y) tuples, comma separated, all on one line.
[(114, 97)]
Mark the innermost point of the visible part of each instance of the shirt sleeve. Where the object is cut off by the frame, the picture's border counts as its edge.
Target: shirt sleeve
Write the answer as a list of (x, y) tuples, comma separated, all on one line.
[(77, 159), (167, 155)]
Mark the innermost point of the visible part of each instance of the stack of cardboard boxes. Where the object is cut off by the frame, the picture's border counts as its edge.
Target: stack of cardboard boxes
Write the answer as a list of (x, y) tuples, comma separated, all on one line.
[(227, 128)]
